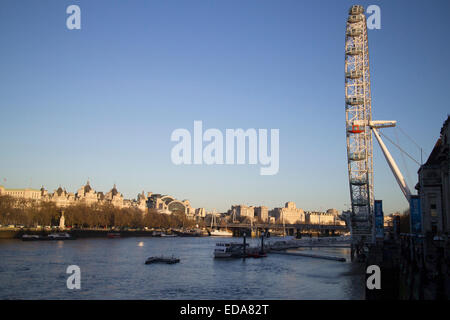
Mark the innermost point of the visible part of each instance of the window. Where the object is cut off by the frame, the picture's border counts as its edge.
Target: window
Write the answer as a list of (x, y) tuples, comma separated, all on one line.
[(433, 211)]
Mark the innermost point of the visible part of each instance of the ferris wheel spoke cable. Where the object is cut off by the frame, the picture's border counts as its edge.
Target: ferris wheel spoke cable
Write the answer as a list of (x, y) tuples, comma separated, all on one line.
[(400, 148), (412, 140), (403, 160)]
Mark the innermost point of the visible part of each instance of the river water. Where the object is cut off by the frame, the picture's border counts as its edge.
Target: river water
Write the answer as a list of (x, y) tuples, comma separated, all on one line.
[(115, 269)]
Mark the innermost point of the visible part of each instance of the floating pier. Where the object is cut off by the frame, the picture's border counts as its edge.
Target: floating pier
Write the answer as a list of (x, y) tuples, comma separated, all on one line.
[(280, 247), (166, 260), (301, 254), (323, 246)]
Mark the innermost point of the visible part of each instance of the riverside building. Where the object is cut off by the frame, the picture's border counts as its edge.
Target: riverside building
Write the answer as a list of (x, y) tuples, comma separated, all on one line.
[(88, 196), (434, 186), (289, 214)]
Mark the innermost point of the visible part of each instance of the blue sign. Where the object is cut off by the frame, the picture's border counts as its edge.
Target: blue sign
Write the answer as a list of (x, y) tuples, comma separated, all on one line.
[(379, 220), (415, 214)]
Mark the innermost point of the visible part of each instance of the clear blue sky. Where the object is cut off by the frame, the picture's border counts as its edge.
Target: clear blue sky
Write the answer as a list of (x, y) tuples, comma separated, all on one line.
[(101, 102)]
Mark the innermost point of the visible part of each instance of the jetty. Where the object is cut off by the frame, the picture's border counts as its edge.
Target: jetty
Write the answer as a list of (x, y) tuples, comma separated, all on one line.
[(281, 247), (317, 256)]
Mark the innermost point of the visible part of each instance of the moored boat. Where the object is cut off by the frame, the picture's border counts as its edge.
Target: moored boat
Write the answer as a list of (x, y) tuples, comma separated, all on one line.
[(31, 237), (191, 233), (221, 233), (257, 255), (59, 236), (113, 235), (168, 235), (229, 250), (167, 260), (52, 236), (215, 232)]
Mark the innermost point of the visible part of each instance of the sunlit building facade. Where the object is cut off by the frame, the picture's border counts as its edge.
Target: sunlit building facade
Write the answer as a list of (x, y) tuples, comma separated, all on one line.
[(289, 214), (168, 205), (85, 195)]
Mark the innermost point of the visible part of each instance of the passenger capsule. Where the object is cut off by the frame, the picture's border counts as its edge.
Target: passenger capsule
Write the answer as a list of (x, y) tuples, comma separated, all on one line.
[(358, 181), (354, 32), (357, 156), (355, 18), (353, 74), (354, 101), (360, 202), (356, 9), (353, 51), (356, 129)]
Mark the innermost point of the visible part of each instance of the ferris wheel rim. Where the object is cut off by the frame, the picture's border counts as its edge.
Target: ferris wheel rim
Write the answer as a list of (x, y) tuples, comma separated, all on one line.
[(358, 116)]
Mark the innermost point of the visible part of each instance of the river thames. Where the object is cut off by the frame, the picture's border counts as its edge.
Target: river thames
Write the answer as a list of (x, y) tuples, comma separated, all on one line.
[(115, 269)]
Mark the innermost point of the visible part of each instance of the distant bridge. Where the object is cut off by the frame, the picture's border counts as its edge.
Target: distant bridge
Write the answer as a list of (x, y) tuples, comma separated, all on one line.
[(291, 229)]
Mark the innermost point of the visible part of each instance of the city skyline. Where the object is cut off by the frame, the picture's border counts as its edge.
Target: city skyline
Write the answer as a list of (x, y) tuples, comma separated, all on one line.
[(69, 196), (100, 103)]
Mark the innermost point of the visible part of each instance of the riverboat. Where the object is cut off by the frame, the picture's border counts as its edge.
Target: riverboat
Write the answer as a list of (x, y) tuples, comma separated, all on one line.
[(229, 250), (59, 236), (221, 233), (31, 237), (112, 235)]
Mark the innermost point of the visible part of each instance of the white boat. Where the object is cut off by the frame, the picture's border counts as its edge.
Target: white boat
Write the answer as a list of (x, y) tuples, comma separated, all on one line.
[(59, 236), (216, 232), (31, 237), (168, 235), (221, 233), (228, 250)]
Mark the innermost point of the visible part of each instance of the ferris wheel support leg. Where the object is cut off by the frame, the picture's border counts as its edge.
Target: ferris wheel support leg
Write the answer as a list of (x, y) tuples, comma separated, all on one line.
[(394, 168)]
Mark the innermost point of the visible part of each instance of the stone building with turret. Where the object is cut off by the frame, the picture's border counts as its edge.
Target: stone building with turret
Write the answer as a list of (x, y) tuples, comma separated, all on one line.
[(84, 195)]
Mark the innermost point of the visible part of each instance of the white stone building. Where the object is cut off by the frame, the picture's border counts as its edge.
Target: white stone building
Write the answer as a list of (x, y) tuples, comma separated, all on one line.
[(290, 214), (84, 195)]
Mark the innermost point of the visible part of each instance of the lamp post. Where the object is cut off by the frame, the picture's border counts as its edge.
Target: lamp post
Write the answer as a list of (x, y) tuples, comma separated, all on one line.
[(262, 242), (245, 243)]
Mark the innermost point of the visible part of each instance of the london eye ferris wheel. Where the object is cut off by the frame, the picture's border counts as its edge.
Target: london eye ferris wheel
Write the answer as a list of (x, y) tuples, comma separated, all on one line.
[(359, 128), (358, 115)]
